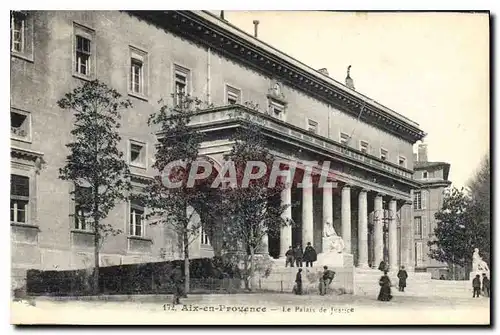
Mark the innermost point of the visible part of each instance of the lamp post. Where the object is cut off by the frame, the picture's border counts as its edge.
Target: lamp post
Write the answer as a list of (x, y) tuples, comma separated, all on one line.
[(387, 217)]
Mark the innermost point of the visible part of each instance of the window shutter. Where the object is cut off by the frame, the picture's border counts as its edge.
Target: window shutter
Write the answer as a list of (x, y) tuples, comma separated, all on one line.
[(424, 195), (425, 230)]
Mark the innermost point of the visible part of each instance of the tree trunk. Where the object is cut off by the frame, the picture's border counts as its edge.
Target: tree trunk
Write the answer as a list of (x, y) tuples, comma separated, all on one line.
[(96, 260), (186, 262), (252, 269)]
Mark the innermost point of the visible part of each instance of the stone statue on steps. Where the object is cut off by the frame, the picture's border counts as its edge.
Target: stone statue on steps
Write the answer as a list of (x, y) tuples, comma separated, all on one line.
[(331, 241), (478, 265)]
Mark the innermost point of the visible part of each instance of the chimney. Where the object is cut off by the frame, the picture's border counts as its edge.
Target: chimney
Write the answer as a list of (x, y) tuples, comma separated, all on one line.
[(323, 71), (348, 80), (255, 25), (422, 152), (222, 15)]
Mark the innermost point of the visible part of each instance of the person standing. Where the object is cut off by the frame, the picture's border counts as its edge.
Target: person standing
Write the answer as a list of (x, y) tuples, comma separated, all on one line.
[(310, 255), (382, 266), (298, 255), (385, 288), (476, 286), (486, 285), (177, 278), (326, 280), (298, 282), (289, 257), (402, 275)]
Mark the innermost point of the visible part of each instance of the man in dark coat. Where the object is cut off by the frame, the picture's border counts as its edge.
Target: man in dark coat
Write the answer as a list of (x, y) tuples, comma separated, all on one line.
[(298, 255), (310, 255), (298, 282), (177, 278), (289, 257), (402, 275), (326, 280), (385, 288), (486, 285), (476, 286)]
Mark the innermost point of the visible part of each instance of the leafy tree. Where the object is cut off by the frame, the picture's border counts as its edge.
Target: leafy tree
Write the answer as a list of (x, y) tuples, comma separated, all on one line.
[(458, 231), (95, 164), (253, 210), (480, 192), (177, 142)]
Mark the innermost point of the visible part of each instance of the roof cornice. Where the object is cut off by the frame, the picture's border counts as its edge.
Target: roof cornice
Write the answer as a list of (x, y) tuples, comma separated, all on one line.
[(208, 30)]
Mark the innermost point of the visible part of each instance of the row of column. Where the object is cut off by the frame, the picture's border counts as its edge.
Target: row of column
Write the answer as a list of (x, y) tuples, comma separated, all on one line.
[(308, 227)]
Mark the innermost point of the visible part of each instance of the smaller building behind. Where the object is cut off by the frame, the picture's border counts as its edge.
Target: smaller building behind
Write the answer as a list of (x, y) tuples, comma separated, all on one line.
[(427, 201)]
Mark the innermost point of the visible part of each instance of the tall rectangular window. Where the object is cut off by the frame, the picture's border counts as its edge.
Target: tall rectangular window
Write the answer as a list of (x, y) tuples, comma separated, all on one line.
[(417, 200), (136, 76), (419, 253), (17, 32), (181, 84), (418, 226), (84, 52), (19, 198), (136, 220), (83, 218), (82, 55)]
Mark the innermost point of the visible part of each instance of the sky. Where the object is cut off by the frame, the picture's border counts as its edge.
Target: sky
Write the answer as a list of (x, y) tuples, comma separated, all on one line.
[(430, 67)]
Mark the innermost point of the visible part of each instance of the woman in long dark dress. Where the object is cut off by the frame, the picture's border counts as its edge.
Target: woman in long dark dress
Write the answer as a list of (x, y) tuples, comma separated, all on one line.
[(385, 288)]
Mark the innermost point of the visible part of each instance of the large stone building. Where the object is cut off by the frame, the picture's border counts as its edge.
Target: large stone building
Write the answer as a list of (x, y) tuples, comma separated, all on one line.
[(149, 55), (427, 201)]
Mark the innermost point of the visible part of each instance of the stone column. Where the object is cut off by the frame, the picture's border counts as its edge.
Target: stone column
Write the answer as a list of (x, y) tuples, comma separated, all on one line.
[(263, 249), (346, 218), (362, 230), (378, 232), (407, 238), (393, 235), (307, 211), (286, 231), (327, 208)]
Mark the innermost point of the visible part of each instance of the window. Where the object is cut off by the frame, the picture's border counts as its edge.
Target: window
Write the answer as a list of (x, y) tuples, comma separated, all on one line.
[(363, 147), (417, 200), (136, 78), (138, 73), (181, 84), (277, 109), (20, 125), (137, 153), (425, 175), (418, 226), (204, 237), (136, 220), (312, 126), (21, 35), (19, 198), (83, 219), (17, 32), (83, 55), (344, 138), (233, 95), (419, 253), (84, 52), (383, 154), (402, 161)]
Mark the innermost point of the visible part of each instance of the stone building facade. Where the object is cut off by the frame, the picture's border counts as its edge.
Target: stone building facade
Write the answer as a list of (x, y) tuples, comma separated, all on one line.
[(426, 202), (150, 55)]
